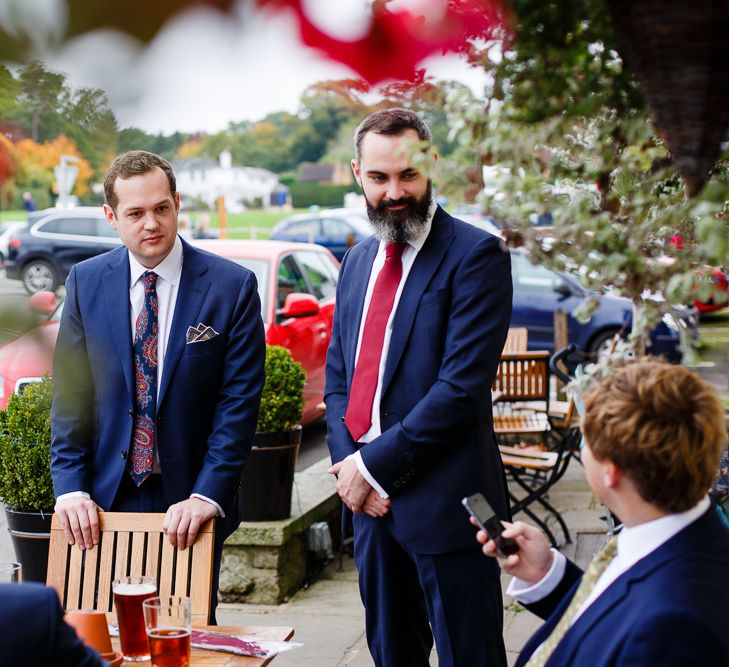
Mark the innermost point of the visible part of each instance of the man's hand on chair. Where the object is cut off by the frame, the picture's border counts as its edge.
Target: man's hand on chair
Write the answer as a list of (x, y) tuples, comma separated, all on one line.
[(80, 521), (184, 519)]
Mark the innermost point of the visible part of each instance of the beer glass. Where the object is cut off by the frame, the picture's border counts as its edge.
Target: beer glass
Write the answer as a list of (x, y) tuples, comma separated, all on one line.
[(169, 623), (11, 573), (129, 594)]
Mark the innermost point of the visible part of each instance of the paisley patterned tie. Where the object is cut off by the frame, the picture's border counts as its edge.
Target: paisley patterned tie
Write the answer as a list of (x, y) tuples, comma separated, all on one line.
[(597, 566), (145, 372)]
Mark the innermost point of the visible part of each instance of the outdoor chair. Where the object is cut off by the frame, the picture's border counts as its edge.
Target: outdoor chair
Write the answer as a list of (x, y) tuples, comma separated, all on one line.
[(517, 340), (531, 470), (131, 544), (522, 384)]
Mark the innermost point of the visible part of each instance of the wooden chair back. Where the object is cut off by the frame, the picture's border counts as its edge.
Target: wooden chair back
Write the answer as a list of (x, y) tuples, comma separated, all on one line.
[(131, 544), (523, 376), (517, 340)]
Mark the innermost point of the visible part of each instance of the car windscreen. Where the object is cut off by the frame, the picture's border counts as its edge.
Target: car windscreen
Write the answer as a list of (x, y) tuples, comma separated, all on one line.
[(262, 270)]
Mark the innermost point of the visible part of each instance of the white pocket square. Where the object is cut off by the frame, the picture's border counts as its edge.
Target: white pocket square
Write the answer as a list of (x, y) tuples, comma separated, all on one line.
[(200, 333)]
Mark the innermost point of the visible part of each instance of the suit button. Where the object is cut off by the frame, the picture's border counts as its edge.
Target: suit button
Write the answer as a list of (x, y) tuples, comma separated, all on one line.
[(124, 453), (130, 412)]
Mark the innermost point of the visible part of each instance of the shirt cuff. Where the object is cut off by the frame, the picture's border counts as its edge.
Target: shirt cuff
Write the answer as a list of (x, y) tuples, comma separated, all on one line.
[(221, 514), (527, 593), (73, 494), (357, 456)]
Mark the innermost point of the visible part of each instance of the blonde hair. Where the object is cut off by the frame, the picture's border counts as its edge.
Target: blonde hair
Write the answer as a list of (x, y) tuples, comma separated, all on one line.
[(660, 424)]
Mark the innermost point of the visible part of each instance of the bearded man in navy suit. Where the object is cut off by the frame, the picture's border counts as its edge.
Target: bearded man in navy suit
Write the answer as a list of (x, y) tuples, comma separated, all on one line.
[(422, 313), (654, 433), (158, 371)]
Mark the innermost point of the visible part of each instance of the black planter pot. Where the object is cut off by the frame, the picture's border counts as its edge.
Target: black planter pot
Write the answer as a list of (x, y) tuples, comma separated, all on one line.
[(268, 478), (31, 535)]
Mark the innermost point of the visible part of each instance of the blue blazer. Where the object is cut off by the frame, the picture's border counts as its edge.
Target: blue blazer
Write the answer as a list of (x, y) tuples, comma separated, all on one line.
[(32, 630), (668, 610), (437, 443), (209, 395)]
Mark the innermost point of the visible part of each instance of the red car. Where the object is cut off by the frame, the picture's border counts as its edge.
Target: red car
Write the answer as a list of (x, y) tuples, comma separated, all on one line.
[(296, 282)]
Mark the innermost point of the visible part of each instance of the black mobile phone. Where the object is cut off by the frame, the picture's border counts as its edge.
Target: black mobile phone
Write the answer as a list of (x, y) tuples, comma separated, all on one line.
[(478, 507)]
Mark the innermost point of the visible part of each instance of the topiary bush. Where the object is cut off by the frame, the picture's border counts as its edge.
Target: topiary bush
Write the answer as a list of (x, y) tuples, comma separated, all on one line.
[(282, 400), (25, 450)]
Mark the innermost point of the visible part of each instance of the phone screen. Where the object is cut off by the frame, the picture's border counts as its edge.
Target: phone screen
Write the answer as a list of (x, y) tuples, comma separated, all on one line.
[(478, 507)]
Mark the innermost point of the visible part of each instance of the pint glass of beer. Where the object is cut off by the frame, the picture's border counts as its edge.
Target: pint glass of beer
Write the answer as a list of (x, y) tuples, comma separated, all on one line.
[(169, 622), (129, 593)]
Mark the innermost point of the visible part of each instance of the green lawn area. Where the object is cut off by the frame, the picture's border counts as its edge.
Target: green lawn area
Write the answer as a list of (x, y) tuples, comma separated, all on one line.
[(6, 216), (242, 225), (249, 224)]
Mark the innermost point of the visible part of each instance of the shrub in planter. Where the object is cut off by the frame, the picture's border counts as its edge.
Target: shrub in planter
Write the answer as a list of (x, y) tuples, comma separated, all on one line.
[(26, 489), (269, 474), (282, 400)]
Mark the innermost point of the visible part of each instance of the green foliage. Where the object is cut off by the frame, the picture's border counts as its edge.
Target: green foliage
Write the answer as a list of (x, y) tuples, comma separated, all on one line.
[(282, 400), (566, 125), (314, 194), (25, 457)]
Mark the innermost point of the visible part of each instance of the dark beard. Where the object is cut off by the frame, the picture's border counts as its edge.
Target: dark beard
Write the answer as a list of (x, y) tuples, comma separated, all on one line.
[(403, 225)]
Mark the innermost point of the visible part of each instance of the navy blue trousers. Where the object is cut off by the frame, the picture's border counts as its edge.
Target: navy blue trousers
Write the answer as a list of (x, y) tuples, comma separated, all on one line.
[(412, 598)]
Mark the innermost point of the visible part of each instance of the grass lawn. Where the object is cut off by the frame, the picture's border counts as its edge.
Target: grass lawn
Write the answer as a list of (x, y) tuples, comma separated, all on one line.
[(7, 216)]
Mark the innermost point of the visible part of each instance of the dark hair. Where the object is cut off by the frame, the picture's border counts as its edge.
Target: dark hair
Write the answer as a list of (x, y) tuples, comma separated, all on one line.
[(135, 163), (663, 426), (390, 121)]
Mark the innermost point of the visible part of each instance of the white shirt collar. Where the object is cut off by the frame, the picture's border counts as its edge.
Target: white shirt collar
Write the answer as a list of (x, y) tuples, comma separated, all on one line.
[(637, 542), (168, 269), (419, 241)]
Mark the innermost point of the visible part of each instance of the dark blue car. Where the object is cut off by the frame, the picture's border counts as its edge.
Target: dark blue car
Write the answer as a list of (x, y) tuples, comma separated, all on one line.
[(539, 292), (335, 229)]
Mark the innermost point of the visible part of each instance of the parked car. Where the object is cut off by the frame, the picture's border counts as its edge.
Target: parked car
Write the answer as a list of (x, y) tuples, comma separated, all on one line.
[(296, 283), (539, 292), (6, 231), (42, 253), (335, 229)]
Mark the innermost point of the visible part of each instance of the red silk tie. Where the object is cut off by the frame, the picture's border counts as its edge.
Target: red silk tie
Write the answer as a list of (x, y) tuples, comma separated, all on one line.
[(358, 418)]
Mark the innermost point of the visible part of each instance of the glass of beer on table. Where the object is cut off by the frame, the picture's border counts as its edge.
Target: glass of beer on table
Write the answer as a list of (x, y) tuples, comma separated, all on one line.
[(129, 594), (169, 623)]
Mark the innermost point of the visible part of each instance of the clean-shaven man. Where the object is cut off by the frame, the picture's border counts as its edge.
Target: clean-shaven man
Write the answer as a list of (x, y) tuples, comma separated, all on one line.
[(158, 371)]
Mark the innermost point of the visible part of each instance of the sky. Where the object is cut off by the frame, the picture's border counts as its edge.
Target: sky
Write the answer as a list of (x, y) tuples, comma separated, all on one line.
[(205, 70)]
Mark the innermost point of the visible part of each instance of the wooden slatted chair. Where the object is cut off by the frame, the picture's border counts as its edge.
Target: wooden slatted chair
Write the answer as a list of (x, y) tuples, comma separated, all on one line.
[(521, 378), (517, 340), (534, 472), (131, 544)]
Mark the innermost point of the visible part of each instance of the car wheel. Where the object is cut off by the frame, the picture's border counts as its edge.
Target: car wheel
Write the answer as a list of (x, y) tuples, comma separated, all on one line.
[(601, 344), (39, 276)]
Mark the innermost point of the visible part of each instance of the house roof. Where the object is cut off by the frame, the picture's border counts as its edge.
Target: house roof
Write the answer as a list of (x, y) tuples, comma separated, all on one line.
[(205, 163), (316, 172)]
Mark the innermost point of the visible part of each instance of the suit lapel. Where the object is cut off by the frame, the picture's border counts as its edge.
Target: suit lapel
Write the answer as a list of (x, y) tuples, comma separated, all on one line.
[(116, 295), (194, 285), (684, 542), (426, 264)]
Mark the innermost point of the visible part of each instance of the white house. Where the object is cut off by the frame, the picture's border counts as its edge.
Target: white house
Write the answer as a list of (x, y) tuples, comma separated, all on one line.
[(206, 179)]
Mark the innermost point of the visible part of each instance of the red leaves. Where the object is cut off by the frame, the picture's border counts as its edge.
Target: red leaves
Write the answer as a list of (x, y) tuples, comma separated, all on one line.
[(398, 41)]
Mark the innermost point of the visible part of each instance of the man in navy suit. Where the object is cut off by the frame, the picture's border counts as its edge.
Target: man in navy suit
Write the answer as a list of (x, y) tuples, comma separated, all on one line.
[(654, 433), (422, 313), (158, 370), (33, 632)]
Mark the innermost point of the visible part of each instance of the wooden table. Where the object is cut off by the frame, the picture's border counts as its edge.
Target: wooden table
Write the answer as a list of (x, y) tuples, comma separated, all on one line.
[(205, 658)]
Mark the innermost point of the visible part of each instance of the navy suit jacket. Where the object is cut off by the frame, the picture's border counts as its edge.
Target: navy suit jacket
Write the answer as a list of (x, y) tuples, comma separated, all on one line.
[(668, 610), (209, 396), (32, 630), (437, 443)]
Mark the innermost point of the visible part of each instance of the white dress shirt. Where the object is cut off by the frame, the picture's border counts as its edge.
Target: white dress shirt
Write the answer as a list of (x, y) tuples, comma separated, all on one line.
[(634, 544), (408, 259), (169, 272)]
